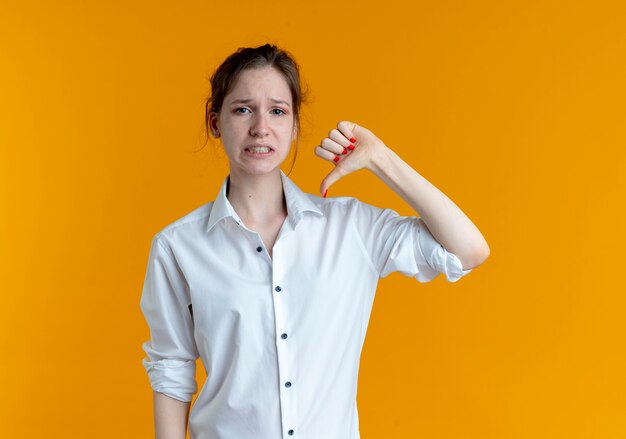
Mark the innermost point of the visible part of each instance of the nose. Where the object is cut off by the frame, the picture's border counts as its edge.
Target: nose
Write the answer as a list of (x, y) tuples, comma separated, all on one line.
[(259, 125)]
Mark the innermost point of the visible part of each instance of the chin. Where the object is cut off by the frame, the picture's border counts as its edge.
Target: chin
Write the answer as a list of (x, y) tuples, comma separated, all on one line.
[(259, 169)]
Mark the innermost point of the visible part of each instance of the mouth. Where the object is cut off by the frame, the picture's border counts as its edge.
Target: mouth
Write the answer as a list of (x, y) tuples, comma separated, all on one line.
[(259, 151)]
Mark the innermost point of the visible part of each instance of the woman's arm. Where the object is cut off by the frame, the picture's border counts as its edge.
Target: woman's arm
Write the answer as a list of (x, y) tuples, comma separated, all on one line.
[(170, 417), (445, 221), (352, 147)]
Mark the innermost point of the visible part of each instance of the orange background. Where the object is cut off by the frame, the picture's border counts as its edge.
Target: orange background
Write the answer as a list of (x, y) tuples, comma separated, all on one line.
[(515, 110)]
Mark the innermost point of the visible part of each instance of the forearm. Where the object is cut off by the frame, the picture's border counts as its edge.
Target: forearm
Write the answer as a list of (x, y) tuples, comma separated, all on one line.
[(446, 222), (170, 417)]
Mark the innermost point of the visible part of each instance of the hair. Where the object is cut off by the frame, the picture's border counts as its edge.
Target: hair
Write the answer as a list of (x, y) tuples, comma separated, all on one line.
[(224, 77)]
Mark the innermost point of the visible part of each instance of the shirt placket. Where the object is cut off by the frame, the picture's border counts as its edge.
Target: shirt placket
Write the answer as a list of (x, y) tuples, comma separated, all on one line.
[(285, 342), (285, 347)]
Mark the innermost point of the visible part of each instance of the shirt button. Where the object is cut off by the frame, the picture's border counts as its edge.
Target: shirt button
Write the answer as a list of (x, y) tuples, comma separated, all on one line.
[(284, 336), (259, 249), (288, 384), (290, 432), (277, 288)]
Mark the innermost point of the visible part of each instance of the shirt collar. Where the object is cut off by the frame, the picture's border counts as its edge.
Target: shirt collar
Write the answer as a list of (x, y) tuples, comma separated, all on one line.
[(297, 203)]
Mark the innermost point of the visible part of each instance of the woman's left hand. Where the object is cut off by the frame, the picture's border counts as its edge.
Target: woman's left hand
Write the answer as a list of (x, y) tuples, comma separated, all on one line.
[(349, 147)]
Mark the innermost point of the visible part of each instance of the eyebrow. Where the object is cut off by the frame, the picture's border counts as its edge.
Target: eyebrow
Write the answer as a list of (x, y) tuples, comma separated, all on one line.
[(245, 101)]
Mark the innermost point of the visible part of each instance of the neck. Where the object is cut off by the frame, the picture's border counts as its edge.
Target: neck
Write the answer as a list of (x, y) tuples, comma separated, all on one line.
[(257, 198)]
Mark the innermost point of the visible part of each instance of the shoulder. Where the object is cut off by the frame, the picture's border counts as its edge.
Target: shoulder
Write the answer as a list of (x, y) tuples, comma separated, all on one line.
[(345, 206), (189, 226), (333, 204)]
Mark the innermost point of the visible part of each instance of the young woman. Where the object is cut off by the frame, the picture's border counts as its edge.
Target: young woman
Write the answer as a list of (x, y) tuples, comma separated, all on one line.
[(273, 287)]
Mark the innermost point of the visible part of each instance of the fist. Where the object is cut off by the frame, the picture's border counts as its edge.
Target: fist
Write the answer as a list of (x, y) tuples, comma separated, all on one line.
[(349, 147)]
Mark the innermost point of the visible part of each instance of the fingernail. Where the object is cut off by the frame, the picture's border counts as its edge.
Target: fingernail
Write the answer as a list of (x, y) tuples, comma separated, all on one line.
[(336, 159), (353, 140), (345, 151), (351, 147), (325, 192)]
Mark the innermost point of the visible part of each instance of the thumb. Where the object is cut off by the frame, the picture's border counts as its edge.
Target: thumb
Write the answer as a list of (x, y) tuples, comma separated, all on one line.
[(332, 177)]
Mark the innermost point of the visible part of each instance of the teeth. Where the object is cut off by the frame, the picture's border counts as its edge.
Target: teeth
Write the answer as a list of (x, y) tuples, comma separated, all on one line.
[(259, 149)]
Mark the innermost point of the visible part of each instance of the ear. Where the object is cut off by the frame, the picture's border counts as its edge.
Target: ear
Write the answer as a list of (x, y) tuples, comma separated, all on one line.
[(214, 125), (294, 132)]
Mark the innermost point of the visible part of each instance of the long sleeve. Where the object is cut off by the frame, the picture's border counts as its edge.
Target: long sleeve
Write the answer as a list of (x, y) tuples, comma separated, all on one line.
[(404, 244), (171, 351)]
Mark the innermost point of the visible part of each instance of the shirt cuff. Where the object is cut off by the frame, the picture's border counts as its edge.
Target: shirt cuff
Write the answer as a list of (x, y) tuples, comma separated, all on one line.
[(454, 268), (439, 259), (174, 378)]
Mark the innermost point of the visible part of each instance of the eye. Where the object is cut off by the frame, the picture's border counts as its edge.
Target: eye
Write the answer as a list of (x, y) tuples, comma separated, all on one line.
[(278, 109), (240, 108)]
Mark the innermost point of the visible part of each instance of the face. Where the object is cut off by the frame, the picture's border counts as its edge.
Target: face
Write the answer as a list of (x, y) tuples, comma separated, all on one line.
[(257, 112)]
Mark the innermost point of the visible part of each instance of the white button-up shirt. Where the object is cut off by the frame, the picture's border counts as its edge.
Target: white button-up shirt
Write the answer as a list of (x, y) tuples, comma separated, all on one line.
[(280, 337)]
